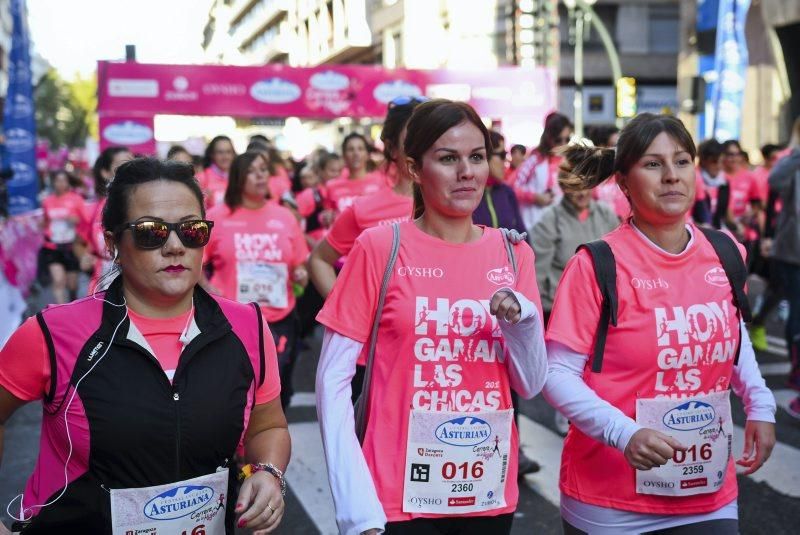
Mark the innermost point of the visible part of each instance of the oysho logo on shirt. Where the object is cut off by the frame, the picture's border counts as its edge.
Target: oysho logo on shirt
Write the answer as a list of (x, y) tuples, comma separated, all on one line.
[(649, 284), (501, 276), (716, 276), (424, 272)]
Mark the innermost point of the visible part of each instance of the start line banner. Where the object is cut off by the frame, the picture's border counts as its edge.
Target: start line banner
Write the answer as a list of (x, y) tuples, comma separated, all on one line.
[(130, 89)]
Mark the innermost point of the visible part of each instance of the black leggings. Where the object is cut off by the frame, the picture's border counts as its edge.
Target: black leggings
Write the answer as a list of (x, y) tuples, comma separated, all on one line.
[(469, 525), (722, 526)]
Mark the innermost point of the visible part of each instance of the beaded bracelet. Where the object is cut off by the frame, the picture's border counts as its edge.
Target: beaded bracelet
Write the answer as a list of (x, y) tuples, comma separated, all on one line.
[(250, 469)]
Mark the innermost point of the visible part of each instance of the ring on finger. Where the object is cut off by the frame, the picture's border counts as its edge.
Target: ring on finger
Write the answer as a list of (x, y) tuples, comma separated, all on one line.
[(270, 508)]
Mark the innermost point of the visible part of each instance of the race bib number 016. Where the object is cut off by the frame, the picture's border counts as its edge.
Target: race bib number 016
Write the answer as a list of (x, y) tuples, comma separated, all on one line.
[(456, 463), (263, 282), (192, 507), (702, 424)]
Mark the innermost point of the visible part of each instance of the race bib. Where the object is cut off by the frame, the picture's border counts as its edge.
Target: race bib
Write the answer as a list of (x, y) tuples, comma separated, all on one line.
[(192, 507), (456, 463), (702, 424), (62, 231), (262, 282)]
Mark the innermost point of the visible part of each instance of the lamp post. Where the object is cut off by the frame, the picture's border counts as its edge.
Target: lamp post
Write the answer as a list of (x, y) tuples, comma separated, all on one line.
[(585, 14)]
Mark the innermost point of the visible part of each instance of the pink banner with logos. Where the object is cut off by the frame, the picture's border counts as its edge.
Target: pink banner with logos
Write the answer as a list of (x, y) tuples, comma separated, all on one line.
[(323, 92), (137, 132)]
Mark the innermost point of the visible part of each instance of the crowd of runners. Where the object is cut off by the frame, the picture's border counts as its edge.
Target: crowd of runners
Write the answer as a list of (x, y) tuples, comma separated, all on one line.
[(448, 275)]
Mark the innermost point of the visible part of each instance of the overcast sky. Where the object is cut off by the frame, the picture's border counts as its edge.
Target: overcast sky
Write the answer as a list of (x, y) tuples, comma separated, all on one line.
[(73, 34)]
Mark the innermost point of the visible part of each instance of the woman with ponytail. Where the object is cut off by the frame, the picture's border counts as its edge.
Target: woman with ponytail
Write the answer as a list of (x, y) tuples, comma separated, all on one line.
[(455, 312), (644, 373)]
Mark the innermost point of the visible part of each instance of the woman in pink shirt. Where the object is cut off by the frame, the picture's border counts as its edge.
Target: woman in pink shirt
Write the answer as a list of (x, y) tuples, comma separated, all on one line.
[(460, 326), (257, 254), (536, 183), (355, 181), (649, 448), (217, 163), (63, 211), (91, 247)]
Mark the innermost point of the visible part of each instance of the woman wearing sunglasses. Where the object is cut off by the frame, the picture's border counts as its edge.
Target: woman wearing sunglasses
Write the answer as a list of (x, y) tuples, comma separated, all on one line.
[(149, 388), (257, 254), (459, 327), (536, 183)]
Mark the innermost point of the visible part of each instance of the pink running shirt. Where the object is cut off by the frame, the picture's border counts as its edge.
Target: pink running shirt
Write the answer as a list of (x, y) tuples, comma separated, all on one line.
[(383, 208), (438, 347), (62, 216), (744, 188), (343, 191), (254, 253), (213, 181), (676, 337)]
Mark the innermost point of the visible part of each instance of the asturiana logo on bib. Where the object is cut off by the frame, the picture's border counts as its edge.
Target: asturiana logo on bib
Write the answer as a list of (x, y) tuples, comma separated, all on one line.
[(466, 431), (501, 276), (178, 502), (717, 277), (689, 416)]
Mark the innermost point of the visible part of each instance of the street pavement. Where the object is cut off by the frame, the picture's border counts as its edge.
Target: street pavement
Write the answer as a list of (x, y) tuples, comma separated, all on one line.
[(769, 501)]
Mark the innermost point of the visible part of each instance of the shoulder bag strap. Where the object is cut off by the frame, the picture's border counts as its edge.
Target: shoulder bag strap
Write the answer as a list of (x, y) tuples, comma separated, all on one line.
[(361, 403), (605, 270)]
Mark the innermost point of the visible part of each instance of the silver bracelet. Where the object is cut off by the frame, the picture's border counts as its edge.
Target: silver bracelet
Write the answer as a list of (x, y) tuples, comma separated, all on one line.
[(275, 471)]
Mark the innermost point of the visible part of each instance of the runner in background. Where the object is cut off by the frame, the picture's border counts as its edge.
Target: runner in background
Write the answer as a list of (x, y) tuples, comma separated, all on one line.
[(536, 184), (355, 181), (180, 154), (216, 164), (258, 253), (608, 192), (761, 264), (459, 329), (634, 459), (746, 196), (784, 181), (390, 204), (63, 212), (517, 157), (91, 249), (715, 186)]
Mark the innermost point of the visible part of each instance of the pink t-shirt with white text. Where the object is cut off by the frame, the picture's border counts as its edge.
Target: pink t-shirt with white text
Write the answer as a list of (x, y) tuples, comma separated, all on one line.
[(254, 253), (744, 189), (676, 337), (341, 192), (62, 216), (438, 347)]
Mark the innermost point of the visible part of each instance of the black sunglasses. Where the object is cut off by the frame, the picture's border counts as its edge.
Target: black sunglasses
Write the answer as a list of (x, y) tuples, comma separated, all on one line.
[(501, 153), (154, 234)]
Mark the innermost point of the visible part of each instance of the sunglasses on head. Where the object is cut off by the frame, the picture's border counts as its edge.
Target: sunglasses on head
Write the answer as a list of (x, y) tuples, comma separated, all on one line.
[(404, 100), (154, 234)]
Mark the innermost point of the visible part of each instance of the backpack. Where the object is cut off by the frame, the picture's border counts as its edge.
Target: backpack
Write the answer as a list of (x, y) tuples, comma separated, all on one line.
[(605, 271), (361, 403)]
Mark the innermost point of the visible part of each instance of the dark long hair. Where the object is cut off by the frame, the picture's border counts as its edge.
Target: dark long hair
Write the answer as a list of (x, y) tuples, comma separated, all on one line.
[(553, 125), (238, 176), (208, 156), (428, 123), (103, 163)]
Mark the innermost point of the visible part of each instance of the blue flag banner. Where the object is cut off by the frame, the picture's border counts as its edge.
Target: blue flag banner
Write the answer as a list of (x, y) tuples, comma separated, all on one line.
[(730, 65), (19, 123)]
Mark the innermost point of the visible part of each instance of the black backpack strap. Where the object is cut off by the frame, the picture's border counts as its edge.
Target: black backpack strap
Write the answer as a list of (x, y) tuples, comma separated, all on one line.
[(736, 271), (605, 270)]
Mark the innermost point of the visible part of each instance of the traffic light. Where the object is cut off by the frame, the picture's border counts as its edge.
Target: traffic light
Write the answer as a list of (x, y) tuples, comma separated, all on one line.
[(626, 97)]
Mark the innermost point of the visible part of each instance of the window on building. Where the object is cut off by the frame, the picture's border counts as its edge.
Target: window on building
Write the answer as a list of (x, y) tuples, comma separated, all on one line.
[(663, 29)]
